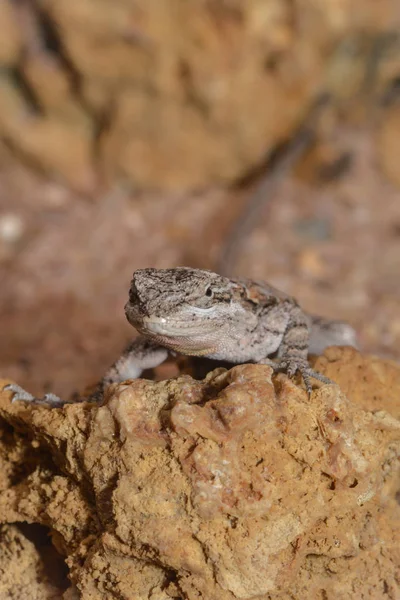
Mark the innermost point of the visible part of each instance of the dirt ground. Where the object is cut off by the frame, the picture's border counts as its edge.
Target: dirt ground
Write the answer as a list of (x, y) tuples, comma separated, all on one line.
[(66, 261)]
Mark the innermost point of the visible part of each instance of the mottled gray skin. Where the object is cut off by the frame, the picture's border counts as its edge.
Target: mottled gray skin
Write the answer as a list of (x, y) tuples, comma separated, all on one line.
[(199, 313)]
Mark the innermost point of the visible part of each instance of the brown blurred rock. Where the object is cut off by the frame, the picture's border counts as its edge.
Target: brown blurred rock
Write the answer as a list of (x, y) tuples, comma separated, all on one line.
[(23, 573), (53, 86), (230, 487), (180, 95), (388, 141), (10, 35), (59, 146)]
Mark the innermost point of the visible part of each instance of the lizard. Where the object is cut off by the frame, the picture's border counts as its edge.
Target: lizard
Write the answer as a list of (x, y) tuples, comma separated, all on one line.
[(196, 312)]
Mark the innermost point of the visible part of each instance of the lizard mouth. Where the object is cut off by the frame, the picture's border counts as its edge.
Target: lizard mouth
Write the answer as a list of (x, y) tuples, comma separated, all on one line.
[(185, 340), (179, 330), (180, 335)]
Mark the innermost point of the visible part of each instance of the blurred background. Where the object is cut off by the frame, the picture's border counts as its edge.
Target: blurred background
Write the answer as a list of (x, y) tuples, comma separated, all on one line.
[(138, 133)]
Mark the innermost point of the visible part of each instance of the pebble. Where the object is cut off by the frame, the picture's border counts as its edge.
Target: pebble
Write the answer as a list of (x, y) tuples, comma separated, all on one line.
[(11, 228)]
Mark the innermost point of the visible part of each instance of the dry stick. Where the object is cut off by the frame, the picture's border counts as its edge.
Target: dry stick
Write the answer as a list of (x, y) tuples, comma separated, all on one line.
[(263, 194)]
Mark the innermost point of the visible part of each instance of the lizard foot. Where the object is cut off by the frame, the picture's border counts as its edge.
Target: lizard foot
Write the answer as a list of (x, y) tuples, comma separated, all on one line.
[(19, 394), (291, 366)]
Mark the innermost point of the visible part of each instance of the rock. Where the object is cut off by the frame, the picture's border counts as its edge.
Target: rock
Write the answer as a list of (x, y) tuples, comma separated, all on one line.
[(180, 96), (388, 143), (235, 486), (310, 263), (55, 145), (23, 573), (10, 35)]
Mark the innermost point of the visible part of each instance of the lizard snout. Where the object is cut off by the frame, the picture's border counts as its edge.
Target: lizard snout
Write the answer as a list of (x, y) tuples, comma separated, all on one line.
[(135, 302), (133, 295)]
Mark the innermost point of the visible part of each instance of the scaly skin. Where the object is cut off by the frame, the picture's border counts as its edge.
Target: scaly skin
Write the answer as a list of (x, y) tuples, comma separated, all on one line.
[(199, 313)]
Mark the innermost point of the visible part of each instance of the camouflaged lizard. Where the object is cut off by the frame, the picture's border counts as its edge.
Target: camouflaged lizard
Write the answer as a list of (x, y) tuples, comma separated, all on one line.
[(199, 313)]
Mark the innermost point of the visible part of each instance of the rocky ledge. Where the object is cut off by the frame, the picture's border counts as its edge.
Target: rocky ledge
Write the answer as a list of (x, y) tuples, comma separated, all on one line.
[(236, 486)]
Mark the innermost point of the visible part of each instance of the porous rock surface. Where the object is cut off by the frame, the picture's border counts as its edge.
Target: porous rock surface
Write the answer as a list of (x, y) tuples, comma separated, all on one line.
[(232, 487)]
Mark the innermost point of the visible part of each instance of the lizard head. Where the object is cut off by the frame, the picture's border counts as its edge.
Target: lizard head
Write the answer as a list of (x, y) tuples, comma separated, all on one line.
[(184, 309)]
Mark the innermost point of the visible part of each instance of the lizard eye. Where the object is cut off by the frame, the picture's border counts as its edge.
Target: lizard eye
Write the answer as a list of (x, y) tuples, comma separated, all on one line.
[(203, 298)]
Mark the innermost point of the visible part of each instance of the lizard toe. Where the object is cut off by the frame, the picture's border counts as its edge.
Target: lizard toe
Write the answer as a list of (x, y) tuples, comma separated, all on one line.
[(52, 400), (19, 394), (309, 373), (307, 383), (293, 366), (319, 376)]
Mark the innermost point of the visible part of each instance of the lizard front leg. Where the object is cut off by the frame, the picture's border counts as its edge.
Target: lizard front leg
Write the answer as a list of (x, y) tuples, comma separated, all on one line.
[(141, 354), (293, 349)]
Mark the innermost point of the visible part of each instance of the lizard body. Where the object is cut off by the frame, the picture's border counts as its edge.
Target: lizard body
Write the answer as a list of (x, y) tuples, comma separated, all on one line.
[(200, 313)]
